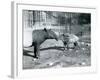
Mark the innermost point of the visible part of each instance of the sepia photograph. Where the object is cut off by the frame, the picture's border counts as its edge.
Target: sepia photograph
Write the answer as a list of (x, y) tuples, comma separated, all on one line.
[(55, 39)]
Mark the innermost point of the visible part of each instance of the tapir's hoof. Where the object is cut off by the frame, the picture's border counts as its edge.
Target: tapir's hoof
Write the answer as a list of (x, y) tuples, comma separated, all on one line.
[(35, 57)]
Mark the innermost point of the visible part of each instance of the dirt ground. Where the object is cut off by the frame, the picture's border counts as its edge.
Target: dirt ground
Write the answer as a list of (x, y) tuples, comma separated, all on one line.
[(52, 55)]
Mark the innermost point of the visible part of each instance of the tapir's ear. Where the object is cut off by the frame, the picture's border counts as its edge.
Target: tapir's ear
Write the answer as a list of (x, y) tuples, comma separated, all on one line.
[(45, 29)]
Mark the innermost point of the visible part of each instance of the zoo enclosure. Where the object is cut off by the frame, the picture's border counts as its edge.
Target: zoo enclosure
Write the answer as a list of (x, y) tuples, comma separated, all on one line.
[(60, 22)]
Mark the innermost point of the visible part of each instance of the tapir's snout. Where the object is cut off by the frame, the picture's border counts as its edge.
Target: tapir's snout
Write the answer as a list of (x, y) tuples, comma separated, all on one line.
[(56, 39)]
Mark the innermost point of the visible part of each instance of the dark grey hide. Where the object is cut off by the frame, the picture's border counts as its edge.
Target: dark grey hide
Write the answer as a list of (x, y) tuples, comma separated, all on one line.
[(39, 36)]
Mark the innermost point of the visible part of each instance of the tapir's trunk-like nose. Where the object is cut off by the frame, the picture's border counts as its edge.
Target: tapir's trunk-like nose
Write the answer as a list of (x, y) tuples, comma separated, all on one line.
[(56, 38)]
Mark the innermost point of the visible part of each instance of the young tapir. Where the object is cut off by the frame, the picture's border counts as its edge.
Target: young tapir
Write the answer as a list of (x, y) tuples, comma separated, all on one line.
[(69, 39), (38, 37)]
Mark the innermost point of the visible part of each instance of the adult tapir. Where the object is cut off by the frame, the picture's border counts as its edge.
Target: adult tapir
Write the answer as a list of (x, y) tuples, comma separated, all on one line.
[(39, 36)]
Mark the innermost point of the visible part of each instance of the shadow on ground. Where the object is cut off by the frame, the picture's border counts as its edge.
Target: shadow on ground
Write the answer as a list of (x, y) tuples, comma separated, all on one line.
[(25, 52)]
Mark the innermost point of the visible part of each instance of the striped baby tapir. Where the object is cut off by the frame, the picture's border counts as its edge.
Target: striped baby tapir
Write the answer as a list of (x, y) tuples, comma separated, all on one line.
[(69, 40)]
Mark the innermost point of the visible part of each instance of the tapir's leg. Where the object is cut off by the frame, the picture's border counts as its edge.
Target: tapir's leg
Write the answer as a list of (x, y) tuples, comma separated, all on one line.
[(38, 51), (65, 45), (76, 45), (35, 52)]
